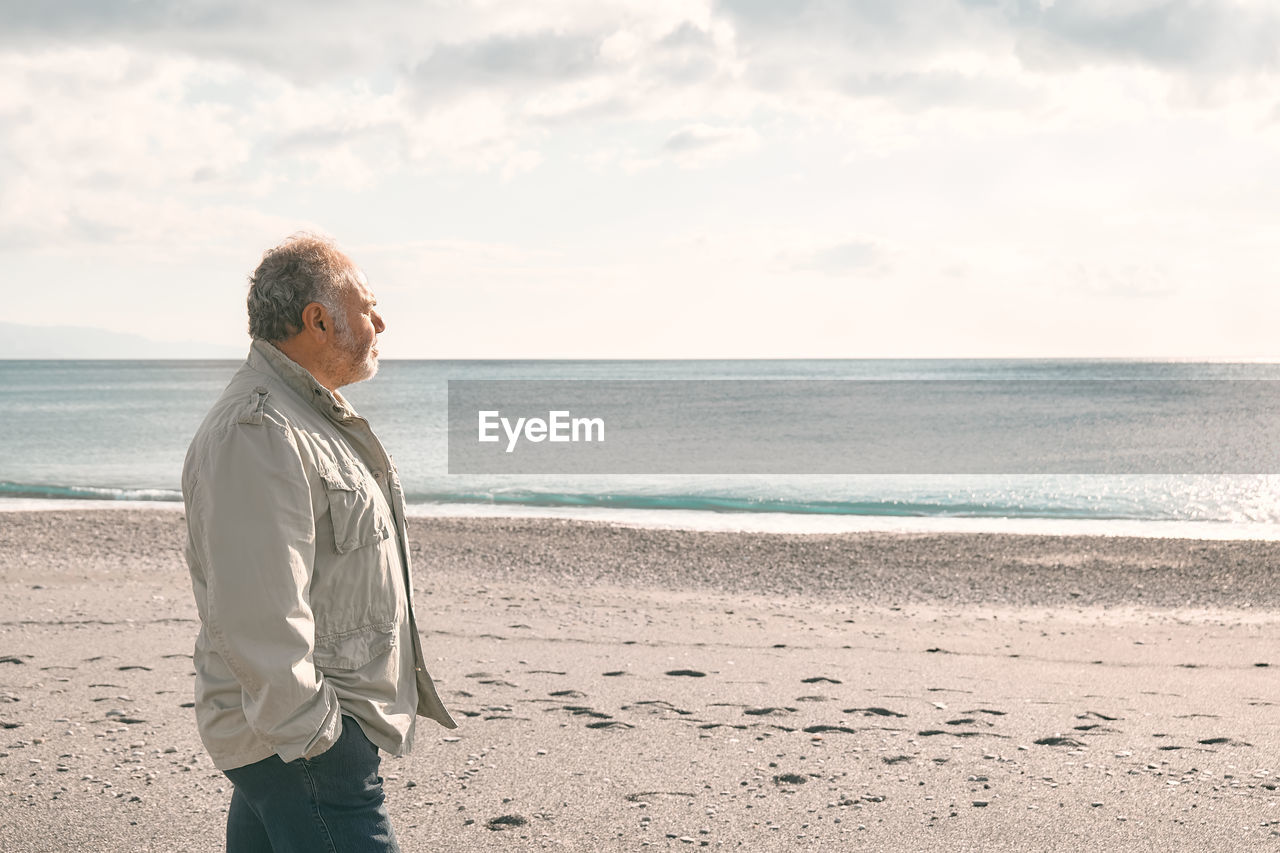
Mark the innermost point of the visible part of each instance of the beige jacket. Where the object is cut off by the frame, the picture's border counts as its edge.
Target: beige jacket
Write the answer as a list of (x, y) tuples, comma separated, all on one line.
[(299, 562)]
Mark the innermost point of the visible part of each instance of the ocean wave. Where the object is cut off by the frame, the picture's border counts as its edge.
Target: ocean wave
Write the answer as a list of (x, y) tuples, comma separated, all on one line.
[(1156, 502), (81, 493), (742, 504)]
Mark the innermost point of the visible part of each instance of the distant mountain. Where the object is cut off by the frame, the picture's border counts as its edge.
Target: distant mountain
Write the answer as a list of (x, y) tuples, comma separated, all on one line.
[(22, 341)]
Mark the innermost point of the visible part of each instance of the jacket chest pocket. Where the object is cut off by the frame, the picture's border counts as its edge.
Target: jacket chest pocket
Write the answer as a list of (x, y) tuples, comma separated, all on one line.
[(350, 650), (353, 510)]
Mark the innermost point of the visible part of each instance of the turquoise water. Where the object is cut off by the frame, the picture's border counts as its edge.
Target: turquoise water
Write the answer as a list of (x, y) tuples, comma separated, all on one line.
[(118, 430)]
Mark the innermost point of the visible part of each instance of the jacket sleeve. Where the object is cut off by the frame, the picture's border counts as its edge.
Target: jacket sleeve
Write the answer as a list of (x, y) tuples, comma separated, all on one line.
[(255, 534)]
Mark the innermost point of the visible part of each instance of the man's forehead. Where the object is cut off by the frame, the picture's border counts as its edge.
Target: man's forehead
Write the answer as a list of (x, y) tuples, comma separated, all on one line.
[(360, 286)]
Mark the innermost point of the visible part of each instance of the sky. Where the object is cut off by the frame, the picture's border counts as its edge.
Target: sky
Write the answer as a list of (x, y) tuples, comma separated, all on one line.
[(600, 179)]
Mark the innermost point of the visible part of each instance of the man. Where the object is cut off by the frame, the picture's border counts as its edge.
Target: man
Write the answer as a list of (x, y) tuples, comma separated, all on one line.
[(308, 658)]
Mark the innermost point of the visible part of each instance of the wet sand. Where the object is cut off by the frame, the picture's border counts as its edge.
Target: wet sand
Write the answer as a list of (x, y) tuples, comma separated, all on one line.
[(621, 688)]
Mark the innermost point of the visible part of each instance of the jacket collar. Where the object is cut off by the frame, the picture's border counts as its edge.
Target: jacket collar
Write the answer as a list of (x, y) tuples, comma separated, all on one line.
[(264, 357)]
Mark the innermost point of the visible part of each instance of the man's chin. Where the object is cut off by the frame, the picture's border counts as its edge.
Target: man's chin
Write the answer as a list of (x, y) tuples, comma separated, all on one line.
[(363, 373)]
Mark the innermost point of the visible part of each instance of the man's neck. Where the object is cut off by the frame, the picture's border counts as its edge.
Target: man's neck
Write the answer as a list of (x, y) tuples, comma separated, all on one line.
[(296, 350)]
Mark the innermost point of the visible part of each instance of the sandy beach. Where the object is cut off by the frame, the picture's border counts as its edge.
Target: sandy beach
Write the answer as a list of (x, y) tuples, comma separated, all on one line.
[(621, 688)]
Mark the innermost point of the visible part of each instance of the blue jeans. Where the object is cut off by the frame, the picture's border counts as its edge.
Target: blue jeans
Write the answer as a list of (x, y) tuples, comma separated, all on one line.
[(332, 803)]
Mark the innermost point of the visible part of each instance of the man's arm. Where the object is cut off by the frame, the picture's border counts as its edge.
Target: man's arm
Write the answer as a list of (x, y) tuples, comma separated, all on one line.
[(252, 526)]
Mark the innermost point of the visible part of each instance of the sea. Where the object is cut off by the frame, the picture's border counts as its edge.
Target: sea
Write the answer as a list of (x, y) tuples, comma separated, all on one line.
[(113, 433)]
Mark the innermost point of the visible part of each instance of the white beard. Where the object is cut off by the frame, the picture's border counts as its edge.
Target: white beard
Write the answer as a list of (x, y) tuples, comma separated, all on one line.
[(351, 364)]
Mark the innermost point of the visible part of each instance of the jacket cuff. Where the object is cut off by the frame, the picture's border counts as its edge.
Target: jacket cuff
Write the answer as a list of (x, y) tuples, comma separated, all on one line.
[(324, 738)]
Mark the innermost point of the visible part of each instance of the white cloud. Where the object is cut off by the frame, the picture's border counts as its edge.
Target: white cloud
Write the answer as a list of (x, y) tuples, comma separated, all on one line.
[(1118, 150), (1129, 281), (859, 257), (699, 144), (92, 136)]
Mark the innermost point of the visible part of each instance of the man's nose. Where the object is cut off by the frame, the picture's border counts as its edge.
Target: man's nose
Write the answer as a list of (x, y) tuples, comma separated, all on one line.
[(378, 325)]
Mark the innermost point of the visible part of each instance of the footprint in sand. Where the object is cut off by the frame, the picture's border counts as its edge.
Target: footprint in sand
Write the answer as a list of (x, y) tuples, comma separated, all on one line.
[(583, 711), (873, 712), (1096, 716), (790, 779), (651, 796), (819, 679), (768, 712), (656, 706), (690, 673)]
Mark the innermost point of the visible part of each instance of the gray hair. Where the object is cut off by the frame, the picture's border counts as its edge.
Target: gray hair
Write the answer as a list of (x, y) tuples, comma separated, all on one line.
[(303, 269)]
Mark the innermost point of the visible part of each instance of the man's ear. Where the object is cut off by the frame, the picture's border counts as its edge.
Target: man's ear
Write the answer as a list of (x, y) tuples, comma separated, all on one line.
[(316, 320)]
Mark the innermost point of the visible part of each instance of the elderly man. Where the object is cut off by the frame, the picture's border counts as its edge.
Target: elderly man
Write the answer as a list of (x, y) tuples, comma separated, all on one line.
[(308, 659)]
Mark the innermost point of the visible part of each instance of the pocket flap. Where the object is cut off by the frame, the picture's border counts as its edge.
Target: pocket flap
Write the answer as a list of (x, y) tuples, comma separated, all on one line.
[(337, 477), (355, 648), (351, 509)]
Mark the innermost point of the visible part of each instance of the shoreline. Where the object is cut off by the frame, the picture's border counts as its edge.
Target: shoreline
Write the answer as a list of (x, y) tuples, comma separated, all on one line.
[(870, 567), (621, 688), (875, 568), (760, 522)]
